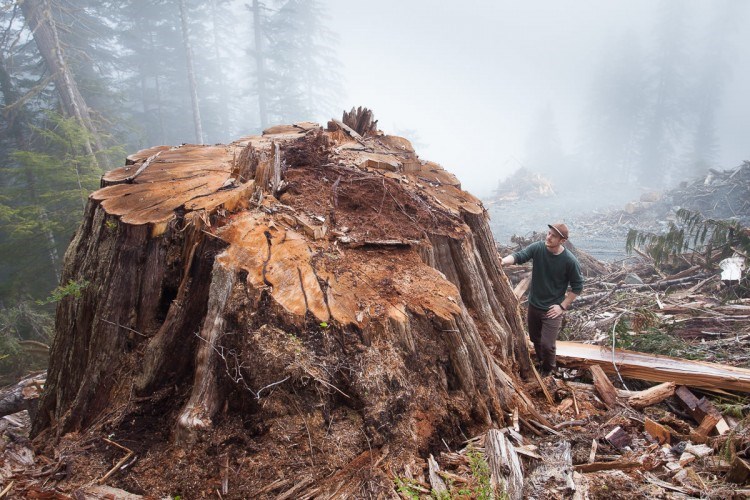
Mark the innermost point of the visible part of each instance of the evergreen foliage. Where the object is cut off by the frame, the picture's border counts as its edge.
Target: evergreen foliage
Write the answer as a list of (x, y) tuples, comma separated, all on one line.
[(711, 238), (127, 60), (615, 114), (653, 108), (301, 71), (42, 199)]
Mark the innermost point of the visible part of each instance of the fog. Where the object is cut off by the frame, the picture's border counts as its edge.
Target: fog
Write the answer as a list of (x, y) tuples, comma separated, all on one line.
[(468, 82)]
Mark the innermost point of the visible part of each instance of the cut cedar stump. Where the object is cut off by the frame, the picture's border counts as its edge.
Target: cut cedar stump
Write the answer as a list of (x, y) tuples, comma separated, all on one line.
[(305, 303)]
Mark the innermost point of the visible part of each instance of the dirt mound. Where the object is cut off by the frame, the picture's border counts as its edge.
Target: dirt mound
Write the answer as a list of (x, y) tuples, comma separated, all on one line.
[(307, 312)]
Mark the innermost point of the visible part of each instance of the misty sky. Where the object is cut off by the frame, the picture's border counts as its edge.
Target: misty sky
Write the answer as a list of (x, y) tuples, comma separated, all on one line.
[(466, 79)]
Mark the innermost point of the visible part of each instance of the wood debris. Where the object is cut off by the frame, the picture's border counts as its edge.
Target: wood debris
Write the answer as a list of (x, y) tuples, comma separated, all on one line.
[(655, 359)]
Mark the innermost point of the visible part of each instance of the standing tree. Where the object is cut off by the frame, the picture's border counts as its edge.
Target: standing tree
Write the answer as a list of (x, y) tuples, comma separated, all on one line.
[(258, 52), (193, 86), (544, 152), (48, 159), (712, 70), (295, 69), (43, 18), (613, 122), (665, 119)]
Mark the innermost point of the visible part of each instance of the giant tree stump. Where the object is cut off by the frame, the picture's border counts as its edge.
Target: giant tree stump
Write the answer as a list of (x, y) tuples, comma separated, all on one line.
[(327, 304)]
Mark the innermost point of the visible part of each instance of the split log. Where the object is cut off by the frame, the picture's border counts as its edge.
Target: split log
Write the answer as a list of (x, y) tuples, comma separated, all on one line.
[(700, 434), (438, 486), (604, 386), (652, 396), (505, 466), (655, 368), (592, 453), (657, 431), (618, 438), (522, 287), (701, 408)]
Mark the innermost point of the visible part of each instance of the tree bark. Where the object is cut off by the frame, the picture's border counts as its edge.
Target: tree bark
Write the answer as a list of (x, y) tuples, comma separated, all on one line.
[(209, 301)]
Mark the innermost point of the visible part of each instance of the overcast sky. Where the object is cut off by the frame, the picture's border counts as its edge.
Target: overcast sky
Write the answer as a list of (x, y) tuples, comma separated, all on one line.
[(466, 79)]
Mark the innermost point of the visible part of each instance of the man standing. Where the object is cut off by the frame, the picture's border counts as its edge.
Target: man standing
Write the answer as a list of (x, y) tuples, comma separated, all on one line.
[(554, 268)]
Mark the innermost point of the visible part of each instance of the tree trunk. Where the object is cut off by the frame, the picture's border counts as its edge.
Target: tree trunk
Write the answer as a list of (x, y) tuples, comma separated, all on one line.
[(357, 315), (260, 70), (224, 95), (39, 17), (191, 74)]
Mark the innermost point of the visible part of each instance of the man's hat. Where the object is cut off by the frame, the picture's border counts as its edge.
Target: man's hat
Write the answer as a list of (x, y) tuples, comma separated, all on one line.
[(560, 229)]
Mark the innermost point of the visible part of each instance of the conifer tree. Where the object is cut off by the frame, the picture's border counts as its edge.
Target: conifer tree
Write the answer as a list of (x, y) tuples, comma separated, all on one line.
[(296, 70)]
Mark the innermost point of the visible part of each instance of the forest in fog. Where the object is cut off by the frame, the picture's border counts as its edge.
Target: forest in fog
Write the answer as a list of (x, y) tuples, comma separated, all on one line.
[(84, 83)]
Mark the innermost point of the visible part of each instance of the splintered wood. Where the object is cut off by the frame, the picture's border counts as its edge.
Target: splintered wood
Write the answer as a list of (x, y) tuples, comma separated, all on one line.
[(505, 466), (702, 411), (652, 396), (604, 387), (653, 367)]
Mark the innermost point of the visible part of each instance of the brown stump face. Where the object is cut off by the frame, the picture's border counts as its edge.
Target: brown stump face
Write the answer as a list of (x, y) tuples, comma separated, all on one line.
[(306, 300)]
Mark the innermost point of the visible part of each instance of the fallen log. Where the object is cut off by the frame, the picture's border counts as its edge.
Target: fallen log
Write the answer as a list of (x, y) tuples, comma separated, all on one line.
[(22, 396), (654, 395), (659, 285), (600, 466), (653, 367)]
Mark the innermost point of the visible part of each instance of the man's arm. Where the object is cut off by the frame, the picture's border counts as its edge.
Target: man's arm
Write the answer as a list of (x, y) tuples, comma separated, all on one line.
[(570, 296), (519, 257)]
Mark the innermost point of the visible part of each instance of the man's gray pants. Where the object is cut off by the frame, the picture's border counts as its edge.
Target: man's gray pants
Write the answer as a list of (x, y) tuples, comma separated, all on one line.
[(543, 332)]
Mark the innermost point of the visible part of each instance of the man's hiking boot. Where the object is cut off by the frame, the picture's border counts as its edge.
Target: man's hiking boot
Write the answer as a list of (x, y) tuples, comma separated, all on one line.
[(554, 372)]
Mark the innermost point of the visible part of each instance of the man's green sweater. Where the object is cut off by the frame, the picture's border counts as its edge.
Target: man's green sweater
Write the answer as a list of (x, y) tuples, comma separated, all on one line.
[(550, 275)]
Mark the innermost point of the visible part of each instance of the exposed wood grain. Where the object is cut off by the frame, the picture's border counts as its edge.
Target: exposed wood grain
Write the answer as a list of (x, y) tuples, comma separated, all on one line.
[(655, 368), (652, 396), (505, 466), (604, 386), (657, 431)]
